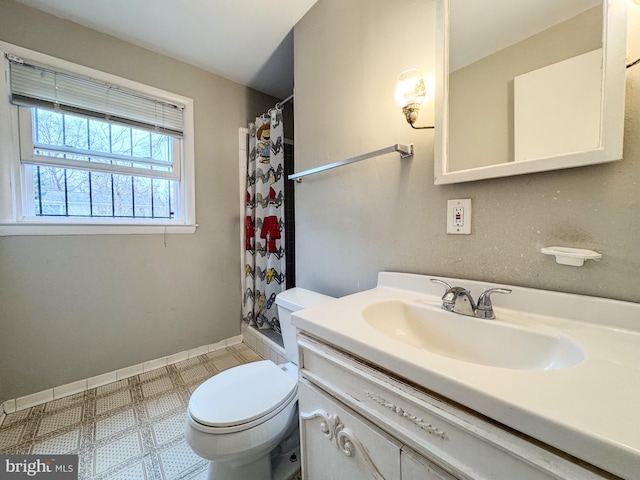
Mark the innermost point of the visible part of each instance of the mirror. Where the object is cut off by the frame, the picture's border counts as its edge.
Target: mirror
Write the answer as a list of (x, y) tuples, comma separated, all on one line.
[(527, 86)]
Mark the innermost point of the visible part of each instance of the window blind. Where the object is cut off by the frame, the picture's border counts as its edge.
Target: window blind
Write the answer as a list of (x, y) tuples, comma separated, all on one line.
[(40, 86)]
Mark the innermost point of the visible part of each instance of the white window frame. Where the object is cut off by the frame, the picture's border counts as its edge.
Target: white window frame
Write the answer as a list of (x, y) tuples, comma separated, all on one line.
[(14, 184)]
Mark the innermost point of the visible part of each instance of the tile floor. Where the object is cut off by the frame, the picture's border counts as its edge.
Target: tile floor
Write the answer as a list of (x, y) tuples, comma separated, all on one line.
[(127, 430)]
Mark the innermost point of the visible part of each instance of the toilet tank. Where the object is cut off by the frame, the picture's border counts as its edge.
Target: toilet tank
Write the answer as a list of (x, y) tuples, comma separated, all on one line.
[(288, 302)]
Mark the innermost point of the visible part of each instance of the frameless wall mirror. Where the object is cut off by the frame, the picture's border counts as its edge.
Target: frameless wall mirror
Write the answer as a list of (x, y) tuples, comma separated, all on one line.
[(527, 86)]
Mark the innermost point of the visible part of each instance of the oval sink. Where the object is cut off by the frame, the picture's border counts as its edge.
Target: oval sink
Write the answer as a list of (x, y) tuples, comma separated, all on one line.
[(469, 339)]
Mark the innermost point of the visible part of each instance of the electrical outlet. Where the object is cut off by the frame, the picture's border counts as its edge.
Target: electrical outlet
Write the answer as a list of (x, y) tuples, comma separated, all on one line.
[(459, 216)]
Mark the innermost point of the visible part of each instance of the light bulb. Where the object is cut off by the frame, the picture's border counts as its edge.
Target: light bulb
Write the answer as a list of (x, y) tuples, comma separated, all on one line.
[(410, 88)]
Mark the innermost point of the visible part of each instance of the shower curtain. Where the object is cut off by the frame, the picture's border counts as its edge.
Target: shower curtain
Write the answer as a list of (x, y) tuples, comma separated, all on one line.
[(264, 222)]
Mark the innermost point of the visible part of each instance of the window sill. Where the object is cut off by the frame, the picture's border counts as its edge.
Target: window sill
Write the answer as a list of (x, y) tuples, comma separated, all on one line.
[(27, 229)]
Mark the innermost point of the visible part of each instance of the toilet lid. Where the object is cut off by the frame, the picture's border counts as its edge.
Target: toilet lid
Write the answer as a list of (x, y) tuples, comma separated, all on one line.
[(241, 395)]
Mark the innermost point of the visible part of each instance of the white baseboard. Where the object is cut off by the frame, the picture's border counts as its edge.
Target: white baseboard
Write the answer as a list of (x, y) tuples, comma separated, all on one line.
[(28, 401)]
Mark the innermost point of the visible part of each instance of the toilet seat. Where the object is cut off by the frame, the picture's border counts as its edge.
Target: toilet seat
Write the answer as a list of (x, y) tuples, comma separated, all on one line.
[(242, 397)]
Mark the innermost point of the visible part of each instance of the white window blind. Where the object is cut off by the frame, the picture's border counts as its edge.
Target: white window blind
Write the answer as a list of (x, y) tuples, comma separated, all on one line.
[(40, 86)]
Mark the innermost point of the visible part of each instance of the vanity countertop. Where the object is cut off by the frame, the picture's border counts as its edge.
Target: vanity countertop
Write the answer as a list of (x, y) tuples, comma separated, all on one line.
[(590, 410)]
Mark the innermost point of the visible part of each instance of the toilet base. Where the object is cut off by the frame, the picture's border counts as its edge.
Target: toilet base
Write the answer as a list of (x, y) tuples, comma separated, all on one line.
[(285, 458), (286, 466), (259, 468), (282, 463)]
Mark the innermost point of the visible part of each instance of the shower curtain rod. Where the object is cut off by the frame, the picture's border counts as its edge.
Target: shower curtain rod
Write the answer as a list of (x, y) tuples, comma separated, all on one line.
[(277, 106), (288, 99)]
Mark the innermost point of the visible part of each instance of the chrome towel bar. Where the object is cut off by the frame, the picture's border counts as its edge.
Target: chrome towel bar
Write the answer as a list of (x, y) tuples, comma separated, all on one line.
[(404, 150)]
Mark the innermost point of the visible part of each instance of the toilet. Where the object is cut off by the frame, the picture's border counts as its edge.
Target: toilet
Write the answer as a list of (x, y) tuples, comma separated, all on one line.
[(245, 420)]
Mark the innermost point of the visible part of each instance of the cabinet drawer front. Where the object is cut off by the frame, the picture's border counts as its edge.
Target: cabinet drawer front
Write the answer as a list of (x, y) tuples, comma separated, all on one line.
[(415, 467), (339, 444), (460, 443)]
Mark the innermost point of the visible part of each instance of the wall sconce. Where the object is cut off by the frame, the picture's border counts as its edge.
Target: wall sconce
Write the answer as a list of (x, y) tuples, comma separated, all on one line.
[(410, 92)]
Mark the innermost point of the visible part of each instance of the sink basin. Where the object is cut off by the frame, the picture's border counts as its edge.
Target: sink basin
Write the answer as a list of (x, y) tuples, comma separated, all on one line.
[(486, 342)]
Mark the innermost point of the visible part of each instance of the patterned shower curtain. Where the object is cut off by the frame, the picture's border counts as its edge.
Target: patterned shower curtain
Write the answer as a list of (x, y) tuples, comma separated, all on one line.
[(264, 222)]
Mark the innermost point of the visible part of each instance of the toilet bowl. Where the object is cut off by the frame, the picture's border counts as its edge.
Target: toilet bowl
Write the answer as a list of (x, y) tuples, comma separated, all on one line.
[(245, 420)]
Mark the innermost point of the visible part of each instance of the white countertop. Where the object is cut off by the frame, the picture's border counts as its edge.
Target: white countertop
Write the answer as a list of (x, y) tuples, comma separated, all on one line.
[(590, 410)]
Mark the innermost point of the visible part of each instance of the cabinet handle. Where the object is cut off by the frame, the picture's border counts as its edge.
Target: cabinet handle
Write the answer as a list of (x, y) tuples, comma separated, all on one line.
[(343, 438)]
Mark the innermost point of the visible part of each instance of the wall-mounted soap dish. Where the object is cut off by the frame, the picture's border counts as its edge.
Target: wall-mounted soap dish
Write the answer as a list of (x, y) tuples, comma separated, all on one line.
[(571, 256)]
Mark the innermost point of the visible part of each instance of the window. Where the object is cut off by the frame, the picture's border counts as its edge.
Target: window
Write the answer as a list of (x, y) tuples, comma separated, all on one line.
[(92, 150), (82, 167)]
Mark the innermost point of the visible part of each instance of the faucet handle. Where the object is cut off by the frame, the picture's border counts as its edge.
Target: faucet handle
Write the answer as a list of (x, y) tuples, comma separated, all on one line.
[(441, 282), (450, 294), (484, 309)]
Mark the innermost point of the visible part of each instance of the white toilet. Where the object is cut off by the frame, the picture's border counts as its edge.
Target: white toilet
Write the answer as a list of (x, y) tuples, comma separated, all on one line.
[(245, 420)]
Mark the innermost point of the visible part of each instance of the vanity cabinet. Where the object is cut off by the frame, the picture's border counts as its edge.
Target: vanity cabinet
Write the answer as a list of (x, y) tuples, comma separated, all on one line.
[(358, 422), (346, 446), (416, 467)]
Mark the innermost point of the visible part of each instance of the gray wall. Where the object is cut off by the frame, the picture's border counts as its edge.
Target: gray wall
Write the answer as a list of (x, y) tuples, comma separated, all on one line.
[(386, 214), (72, 307)]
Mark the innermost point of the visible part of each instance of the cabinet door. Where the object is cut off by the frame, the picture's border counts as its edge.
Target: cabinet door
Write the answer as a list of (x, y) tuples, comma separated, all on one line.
[(339, 444), (416, 467)]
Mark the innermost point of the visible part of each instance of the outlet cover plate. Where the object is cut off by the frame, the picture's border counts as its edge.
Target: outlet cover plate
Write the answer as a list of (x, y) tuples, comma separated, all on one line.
[(459, 216)]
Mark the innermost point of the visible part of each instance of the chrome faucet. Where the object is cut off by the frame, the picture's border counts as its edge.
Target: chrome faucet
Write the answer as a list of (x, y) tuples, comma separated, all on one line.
[(459, 300)]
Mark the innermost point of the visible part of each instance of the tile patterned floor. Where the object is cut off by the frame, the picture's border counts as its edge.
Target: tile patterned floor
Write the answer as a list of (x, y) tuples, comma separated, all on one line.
[(127, 430)]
